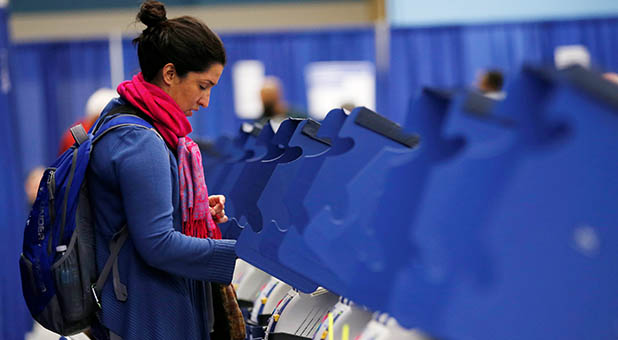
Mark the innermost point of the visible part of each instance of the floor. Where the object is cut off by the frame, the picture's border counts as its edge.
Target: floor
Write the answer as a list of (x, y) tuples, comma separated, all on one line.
[(40, 333)]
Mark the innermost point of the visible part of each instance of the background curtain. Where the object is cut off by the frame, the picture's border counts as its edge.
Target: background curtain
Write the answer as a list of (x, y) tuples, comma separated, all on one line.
[(54, 79), (451, 56), (284, 54), (15, 319), (52, 82)]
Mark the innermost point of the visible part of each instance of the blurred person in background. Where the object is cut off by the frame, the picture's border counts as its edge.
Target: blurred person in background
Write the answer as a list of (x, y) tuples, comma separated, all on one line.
[(95, 104), (490, 84), (174, 263), (348, 107), (275, 108), (31, 185), (611, 76)]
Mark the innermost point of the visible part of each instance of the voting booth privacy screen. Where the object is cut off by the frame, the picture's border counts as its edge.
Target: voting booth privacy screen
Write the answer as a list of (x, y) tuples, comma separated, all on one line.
[(451, 212)]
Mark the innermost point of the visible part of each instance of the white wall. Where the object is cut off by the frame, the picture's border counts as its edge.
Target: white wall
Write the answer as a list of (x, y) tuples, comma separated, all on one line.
[(422, 12)]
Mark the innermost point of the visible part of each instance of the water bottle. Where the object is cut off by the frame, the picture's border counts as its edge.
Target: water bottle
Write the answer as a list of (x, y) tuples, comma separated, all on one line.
[(60, 250), (65, 275), (68, 284)]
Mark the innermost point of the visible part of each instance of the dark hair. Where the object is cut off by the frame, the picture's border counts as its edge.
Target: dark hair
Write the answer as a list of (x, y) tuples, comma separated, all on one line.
[(494, 80), (185, 42)]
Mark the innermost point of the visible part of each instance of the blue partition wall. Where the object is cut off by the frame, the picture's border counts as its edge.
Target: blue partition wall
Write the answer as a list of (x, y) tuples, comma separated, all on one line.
[(14, 317), (447, 56), (451, 56), (284, 54), (52, 82), (493, 220)]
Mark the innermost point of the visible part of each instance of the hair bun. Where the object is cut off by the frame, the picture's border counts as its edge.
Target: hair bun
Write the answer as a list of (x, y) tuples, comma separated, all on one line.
[(152, 13)]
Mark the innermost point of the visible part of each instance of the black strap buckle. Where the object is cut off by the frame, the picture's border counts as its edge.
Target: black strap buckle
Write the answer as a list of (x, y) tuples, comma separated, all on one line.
[(79, 134)]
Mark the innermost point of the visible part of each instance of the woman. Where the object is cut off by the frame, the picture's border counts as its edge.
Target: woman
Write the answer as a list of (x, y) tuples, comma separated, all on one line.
[(156, 187)]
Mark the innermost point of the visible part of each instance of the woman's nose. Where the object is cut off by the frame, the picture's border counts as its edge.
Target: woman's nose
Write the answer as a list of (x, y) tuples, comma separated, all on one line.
[(204, 100)]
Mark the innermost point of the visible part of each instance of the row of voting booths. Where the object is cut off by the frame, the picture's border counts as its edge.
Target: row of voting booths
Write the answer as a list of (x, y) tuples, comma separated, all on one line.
[(472, 219)]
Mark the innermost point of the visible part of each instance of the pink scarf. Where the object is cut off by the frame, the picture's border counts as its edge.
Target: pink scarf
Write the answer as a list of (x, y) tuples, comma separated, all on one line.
[(174, 126)]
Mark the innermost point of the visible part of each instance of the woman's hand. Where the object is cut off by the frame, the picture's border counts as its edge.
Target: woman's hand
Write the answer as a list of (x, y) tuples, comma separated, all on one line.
[(217, 208)]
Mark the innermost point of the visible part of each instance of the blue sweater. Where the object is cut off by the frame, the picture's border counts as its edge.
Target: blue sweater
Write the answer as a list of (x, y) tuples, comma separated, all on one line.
[(133, 180)]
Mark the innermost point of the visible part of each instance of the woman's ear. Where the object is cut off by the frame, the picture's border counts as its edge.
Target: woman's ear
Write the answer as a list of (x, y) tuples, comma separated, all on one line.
[(169, 74)]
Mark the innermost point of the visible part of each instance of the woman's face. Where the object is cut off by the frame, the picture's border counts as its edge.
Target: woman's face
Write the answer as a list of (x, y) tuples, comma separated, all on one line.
[(193, 90)]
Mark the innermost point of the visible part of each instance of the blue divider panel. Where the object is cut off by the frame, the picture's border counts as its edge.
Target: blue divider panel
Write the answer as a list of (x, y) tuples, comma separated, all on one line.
[(231, 158), (447, 229), (259, 245), (228, 151), (370, 242), (271, 202), (536, 258), (500, 224), (246, 193), (367, 135), (256, 148), (315, 146), (296, 192)]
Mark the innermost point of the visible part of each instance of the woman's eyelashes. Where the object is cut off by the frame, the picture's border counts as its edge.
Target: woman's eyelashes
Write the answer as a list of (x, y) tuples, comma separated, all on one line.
[(205, 85)]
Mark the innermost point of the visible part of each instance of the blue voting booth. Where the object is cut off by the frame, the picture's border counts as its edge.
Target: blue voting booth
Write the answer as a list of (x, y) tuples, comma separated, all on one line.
[(475, 219)]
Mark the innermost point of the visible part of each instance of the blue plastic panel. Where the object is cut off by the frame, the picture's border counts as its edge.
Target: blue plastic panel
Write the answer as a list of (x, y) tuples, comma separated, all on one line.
[(362, 135), (535, 255), (256, 148), (246, 193), (369, 241)]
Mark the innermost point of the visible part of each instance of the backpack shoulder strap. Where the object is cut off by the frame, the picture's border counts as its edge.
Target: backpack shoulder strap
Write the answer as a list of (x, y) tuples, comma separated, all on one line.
[(126, 108), (120, 290), (123, 115)]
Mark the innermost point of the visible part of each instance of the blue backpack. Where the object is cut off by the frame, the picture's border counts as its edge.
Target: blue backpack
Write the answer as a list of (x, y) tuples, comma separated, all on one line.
[(58, 264)]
